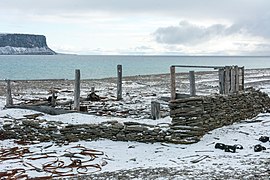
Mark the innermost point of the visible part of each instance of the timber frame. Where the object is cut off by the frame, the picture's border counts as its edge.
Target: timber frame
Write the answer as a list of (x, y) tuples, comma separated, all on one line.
[(231, 79)]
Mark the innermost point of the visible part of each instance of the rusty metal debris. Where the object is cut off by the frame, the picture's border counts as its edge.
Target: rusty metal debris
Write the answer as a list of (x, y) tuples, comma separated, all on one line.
[(76, 160)]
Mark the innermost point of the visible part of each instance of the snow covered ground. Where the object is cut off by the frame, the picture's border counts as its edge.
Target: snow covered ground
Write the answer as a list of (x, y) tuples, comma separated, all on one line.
[(134, 160)]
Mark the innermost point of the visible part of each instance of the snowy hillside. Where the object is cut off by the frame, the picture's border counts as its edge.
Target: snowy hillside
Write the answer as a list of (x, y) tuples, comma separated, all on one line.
[(24, 44)]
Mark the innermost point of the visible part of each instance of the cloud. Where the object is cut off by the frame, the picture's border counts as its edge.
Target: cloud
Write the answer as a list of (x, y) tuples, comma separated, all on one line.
[(192, 8), (188, 34)]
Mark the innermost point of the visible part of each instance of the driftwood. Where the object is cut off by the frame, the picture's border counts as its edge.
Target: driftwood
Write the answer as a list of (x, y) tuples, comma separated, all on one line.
[(200, 159), (44, 109)]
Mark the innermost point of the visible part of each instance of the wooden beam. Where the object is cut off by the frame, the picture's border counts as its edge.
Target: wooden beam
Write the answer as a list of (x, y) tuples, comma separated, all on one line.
[(192, 84), (173, 87), (190, 66), (9, 100), (155, 110), (236, 79), (232, 89), (77, 90), (227, 80), (119, 82), (243, 79), (221, 80)]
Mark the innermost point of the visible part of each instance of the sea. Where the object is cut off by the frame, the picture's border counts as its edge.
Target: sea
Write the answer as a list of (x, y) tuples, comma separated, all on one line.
[(28, 67)]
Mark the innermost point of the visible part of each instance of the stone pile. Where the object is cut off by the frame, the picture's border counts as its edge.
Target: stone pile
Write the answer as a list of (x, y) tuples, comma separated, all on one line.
[(194, 116)]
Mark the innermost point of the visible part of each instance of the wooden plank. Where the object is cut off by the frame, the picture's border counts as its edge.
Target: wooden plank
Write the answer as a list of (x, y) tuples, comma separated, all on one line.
[(119, 82), (190, 66), (173, 87), (77, 90), (243, 78), (9, 101), (236, 79), (192, 84), (227, 80), (155, 110), (221, 80), (232, 90)]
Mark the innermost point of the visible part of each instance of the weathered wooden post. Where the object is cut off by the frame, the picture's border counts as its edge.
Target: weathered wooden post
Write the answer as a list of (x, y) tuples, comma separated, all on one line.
[(192, 84), (227, 80), (233, 85), (243, 78), (173, 87), (221, 80), (119, 82), (155, 110), (9, 101), (77, 90), (236, 79), (53, 102), (92, 89)]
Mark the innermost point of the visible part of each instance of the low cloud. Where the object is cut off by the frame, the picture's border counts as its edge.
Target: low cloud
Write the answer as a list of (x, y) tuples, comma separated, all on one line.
[(188, 34)]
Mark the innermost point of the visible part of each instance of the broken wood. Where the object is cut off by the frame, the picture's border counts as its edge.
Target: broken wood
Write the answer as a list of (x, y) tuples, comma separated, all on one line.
[(200, 159)]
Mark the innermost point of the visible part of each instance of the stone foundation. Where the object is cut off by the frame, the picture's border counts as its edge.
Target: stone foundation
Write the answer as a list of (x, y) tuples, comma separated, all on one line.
[(195, 116), (192, 117)]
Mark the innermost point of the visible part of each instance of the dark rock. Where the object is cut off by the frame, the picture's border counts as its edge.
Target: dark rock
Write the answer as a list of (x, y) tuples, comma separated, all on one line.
[(24, 44)]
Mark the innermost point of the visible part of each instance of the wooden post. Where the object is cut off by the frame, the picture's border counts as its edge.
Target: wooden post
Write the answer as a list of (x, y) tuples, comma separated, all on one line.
[(192, 84), (155, 110), (227, 80), (119, 82), (77, 90), (9, 101), (236, 79), (53, 98), (92, 89), (221, 81), (173, 87), (232, 90), (243, 79)]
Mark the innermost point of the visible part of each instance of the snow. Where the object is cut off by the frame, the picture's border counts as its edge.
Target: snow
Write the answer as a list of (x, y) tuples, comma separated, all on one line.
[(120, 156), (128, 155), (22, 50)]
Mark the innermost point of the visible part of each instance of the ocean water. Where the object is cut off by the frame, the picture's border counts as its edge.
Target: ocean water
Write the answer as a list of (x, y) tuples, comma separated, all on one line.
[(96, 67)]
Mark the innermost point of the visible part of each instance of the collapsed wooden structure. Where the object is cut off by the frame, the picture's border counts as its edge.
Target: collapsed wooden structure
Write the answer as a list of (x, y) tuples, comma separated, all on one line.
[(231, 79)]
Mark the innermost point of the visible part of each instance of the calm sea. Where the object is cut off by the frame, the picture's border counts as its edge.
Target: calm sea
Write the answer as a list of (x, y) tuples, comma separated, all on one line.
[(93, 67)]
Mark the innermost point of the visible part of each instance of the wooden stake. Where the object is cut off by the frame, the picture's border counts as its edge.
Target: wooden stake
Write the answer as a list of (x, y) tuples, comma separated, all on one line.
[(232, 90), (9, 101), (53, 98), (236, 79), (173, 87), (92, 89), (243, 79), (221, 81), (192, 84), (77, 90), (155, 110), (119, 82), (227, 80)]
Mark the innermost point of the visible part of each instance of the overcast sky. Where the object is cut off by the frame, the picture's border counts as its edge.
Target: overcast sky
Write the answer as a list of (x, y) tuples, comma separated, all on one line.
[(144, 27)]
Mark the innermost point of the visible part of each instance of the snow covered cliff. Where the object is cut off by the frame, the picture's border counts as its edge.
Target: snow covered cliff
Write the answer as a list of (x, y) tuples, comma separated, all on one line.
[(24, 44)]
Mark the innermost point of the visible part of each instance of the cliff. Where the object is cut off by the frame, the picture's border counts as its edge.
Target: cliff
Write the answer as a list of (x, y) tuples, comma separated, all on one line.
[(24, 44)]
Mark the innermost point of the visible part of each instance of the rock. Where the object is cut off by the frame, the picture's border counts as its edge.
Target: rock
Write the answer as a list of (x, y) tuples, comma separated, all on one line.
[(22, 44)]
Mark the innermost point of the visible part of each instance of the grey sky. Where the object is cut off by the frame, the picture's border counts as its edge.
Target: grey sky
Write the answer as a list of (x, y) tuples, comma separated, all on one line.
[(158, 25)]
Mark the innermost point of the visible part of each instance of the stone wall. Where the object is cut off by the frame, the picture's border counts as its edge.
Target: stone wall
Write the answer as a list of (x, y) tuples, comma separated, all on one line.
[(195, 116), (191, 119)]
